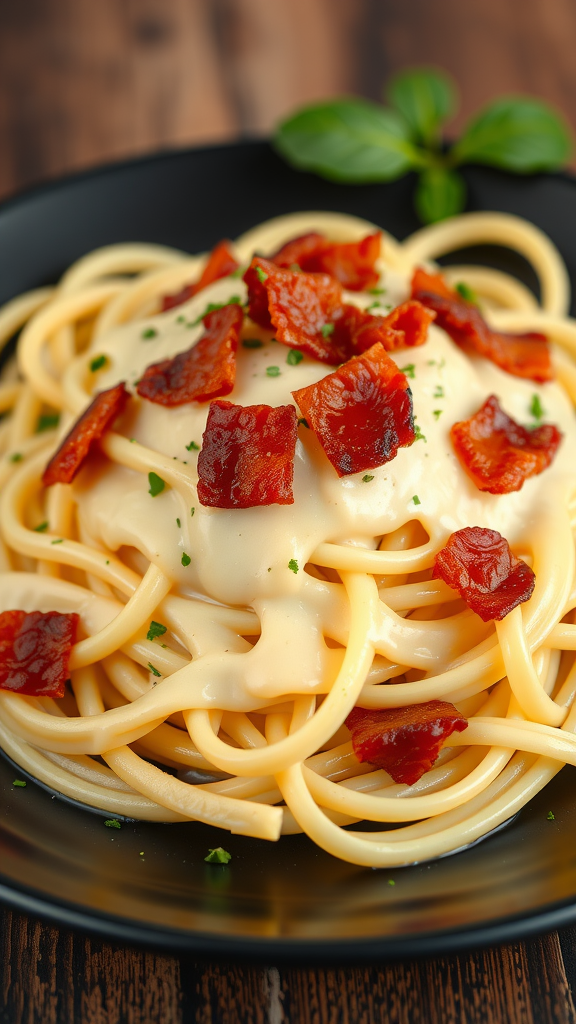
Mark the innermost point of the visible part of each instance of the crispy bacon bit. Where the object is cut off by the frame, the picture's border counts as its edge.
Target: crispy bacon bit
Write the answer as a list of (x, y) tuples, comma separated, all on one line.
[(35, 651), (351, 263), (361, 413), (247, 456), (205, 371), (522, 355), (308, 313), (500, 454), (479, 564), (220, 263), (405, 742), (85, 433)]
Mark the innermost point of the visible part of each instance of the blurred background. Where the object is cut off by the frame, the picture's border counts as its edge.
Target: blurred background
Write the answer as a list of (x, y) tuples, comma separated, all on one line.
[(84, 82)]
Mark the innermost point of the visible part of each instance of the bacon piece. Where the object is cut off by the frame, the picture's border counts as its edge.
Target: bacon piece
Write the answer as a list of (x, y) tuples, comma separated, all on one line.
[(361, 413), (479, 564), (220, 263), (247, 456), (86, 432), (35, 651), (522, 355), (205, 371), (351, 263), (500, 454), (405, 742), (308, 313)]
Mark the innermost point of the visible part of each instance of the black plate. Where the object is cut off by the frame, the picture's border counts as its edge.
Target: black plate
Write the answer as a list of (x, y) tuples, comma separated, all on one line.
[(287, 899)]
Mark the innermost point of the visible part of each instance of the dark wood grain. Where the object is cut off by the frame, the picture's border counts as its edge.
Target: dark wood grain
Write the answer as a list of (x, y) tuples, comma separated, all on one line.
[(84, 82)]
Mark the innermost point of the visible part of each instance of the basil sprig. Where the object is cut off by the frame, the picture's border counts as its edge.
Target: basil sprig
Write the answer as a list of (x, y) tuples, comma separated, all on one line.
[(356, 141)]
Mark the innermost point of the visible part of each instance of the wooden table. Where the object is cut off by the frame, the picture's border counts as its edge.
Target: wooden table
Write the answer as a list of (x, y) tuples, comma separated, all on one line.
[(84, 82)]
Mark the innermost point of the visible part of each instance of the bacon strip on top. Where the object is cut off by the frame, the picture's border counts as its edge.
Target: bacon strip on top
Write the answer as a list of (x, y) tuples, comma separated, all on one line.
[(361, 413), (351, 263), (406, 741), (522, 355), (500, 454), (85, 433), (247, 456), (479, 564), (206, 370), (35, 651), (220, 263)]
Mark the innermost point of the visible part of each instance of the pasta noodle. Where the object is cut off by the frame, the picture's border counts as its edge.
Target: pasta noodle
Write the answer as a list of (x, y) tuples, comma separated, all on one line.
[(276, 622)]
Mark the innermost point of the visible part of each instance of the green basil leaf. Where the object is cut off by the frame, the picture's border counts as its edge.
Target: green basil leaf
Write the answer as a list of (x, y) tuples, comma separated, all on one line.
[(425, 98), (518, 134), (440, 193), (349, 140)]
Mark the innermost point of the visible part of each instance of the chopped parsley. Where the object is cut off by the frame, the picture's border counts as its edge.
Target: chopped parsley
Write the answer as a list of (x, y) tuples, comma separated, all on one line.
[(419, 436), (272, 371), (192, 511), (409, 370), (550, 816), (180, 319), (178, 523), (234, 300), (153, 670), (536, 409), (156, 629), (376, 291), (293, 565), (98, 363), (185, 559), (304, 422), (192, 447), (42, 527), (391, 881), (326, 330), (467, 293), (59, 540), (47, 421), (262, 275), (438, 392), (112, 823), (416, 499), (218, 855), (16, 457), (294, 357), (149, 332), (437, 413), (157, 484), (20, 783), (367, 478), (252, 343)]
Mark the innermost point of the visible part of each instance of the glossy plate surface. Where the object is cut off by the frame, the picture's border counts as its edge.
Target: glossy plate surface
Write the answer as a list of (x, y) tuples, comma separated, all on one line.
[(287, 899)]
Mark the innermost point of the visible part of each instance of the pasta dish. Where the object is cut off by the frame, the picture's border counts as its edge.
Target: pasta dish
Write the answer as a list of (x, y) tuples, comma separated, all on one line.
[(286, 534)]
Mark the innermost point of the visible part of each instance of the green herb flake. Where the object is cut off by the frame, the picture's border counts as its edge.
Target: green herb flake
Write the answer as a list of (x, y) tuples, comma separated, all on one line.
[(192, 447), (42, 527), (376, 291), (536, 409), (185, 559), (180, 319), (418, 435), (192, 511), (156, 630), (326, 330), (467, 293), (304, 422), (252, 343), (262, 275), (551, 816), (20, 783), (293, 565), (149, 332), (178, 523), (438, 392), (153, 670), (112, 823), (416, 499), (367, 478), (437, 413), (59, 540), (157, 484), (98, 363), (218, 856), (47, 421), (16, 457), (391, 881), (409, 371), (234, 300), (272, 371), (294, 357)]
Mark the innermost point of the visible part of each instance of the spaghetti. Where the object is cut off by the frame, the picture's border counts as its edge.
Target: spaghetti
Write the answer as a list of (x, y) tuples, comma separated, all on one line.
[(221, 649)]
